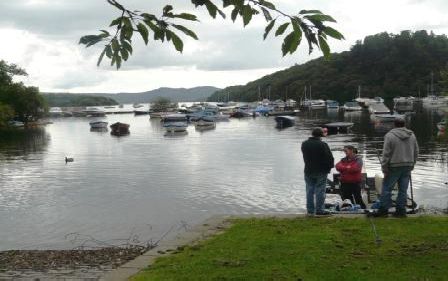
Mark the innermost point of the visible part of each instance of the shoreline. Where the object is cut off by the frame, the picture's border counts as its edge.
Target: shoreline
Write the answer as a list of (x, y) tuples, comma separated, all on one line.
[(126, 264)]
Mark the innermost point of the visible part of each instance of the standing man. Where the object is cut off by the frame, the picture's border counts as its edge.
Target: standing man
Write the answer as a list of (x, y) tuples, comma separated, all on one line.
[(400, 153), (318, 163)]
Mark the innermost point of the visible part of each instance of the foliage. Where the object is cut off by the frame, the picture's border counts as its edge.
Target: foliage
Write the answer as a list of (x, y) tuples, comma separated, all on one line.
[(6, 113), (309, 24), (64, 100), (24, 102), (313, 249), (161, 104), (443, 81), (386, 65)]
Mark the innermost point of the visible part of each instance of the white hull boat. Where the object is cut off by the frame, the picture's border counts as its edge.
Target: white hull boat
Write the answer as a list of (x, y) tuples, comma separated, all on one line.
[(98, 124)]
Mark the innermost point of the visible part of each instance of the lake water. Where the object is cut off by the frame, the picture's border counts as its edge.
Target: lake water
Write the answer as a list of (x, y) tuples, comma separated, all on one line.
[(146, 183)]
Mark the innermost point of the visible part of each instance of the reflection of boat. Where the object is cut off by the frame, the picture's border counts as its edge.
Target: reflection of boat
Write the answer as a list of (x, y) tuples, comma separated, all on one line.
[(119, 129), (285, 121), (98, 124), (332, 104), (352, 106), (99, 130)]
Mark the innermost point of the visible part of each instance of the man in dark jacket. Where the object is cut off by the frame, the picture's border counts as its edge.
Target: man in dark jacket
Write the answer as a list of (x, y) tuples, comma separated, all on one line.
[(400, 154), (318, 163)]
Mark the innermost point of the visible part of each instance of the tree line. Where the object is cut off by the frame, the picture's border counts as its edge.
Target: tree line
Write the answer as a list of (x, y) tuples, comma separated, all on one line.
[(17, 101), (384, 64)]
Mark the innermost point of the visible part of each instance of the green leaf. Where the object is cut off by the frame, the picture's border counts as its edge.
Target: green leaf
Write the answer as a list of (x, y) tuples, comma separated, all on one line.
[(324, 47), (281, 29), (266, 14), (127, 46), (304, 12), (291, 42), (234, 14), (101, 57), (211, 8), (333, 33), (149, 17), (167, 9), (186, 31), (124, 54), (115, 45), (118, 60), (108, 51), (320, 18), (116, 21), (177, 42), (186, 16), (247, 14), (268, 29), (267, 4), (143, 32)]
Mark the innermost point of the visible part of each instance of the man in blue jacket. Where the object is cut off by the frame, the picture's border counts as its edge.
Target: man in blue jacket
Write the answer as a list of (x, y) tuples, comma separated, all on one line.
[(318, 163)]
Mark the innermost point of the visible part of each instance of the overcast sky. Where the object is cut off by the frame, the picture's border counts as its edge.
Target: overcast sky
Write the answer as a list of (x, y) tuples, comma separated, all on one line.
[(42, 37)]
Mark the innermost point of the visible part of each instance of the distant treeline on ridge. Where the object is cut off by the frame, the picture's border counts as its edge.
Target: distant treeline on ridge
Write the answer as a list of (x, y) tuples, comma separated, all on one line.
[(384, 64), (62, 100)]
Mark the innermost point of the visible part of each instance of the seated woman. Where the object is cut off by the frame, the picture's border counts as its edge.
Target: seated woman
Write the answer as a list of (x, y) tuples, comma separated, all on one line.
[(350, 168)]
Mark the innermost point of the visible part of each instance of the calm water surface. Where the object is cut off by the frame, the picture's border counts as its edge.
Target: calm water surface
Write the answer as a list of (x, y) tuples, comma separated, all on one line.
[(146, 182)]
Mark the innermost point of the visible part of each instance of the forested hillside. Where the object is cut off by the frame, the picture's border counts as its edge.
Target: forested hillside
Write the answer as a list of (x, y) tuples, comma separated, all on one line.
[(384, 64), (77, 100)]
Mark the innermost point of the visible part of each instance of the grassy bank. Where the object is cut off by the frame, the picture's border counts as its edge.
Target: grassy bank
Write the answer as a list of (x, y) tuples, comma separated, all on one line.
[(313, 249)]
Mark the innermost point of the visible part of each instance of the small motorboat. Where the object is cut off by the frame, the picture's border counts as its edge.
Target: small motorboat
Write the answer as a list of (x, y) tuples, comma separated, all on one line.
[(205, 124), (119, 129), (16, 124), (338, 127), (141, 111), (98, 124), (332, 104), (175, 127), (285, 121), (176, 117)]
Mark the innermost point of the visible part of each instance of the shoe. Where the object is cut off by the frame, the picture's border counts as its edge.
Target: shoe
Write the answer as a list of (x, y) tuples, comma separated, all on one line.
[(399, 215), (323, 214), (378, 214)]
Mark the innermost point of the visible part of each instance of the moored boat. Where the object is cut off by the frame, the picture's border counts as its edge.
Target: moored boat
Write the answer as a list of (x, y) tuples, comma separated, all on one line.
[(94, 112), (285, 121), (175, 127), (352, 106), (205, 124), (98, 124), (119, 129), (332, 104)]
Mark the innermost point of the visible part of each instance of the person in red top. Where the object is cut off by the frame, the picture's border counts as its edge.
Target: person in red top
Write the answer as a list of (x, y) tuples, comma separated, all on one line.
[(350, 168)]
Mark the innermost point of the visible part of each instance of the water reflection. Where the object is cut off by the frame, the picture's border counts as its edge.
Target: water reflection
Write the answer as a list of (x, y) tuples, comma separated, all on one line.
[(20, 142)]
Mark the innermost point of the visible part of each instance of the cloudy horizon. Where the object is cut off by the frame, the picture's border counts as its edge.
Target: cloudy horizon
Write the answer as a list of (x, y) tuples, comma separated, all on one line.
[(42, 37)]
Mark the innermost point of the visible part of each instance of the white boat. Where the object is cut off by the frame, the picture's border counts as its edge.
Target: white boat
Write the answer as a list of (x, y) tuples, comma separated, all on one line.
[(352, 106), (362, 101), (55, 112), (378, 108), (98, 124), (175, 117), (16, 124), (386, 117), (94, 112)]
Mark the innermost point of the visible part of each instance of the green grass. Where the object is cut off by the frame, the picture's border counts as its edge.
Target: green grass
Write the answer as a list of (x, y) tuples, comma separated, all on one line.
[(313, 249)]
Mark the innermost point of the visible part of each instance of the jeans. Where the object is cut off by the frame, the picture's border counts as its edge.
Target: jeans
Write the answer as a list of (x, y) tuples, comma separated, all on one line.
[(352, 191), (402, 176), (315, 187)]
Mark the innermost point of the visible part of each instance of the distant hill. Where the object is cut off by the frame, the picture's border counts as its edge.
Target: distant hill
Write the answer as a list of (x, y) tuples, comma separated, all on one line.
[(64, 100), (386, 65), (174, 94)]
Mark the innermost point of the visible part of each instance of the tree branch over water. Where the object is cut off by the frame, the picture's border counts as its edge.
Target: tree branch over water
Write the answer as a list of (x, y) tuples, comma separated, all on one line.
[(308, 24)]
